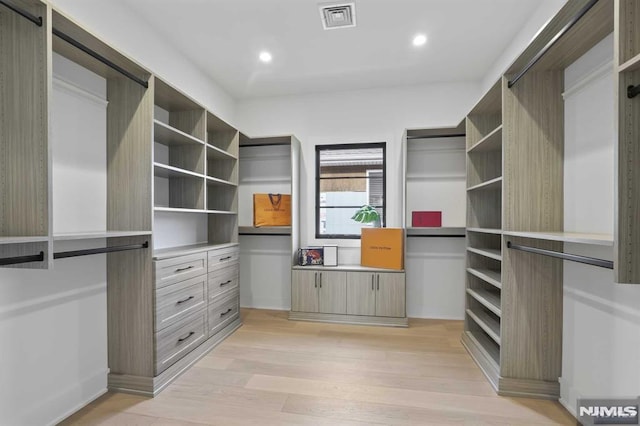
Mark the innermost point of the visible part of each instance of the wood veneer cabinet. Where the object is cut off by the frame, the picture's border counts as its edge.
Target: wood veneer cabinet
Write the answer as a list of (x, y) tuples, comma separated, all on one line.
[(513, 325), (349, 294)]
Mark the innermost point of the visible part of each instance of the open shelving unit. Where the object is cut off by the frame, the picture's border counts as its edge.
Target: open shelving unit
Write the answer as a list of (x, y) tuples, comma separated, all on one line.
[(483, 312)]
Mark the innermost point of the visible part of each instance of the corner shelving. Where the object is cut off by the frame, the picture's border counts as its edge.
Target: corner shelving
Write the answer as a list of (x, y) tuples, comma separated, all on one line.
[(491, 142), (490, 276), (487, 322), (490, 299), (490, 253), (491, 184)]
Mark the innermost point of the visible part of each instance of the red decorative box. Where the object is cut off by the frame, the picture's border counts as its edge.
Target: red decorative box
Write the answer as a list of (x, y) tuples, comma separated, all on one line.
[(426, 219)]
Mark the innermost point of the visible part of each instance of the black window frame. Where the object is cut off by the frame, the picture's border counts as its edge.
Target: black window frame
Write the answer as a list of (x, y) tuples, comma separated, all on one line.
[(364, 145)]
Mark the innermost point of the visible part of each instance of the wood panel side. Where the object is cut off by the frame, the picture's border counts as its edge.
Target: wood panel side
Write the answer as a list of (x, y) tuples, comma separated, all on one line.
[(130, 309), (533, 145), (304, 292), (628, 18), (531, 330), (129, 155), (24, 148), (627, 241)]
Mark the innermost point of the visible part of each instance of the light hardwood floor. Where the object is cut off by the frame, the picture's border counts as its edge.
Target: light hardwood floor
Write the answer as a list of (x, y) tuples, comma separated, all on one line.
[(278, 372)]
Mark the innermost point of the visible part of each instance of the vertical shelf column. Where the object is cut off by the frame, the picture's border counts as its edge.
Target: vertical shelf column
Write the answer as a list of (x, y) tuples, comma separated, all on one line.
[(25, 175)]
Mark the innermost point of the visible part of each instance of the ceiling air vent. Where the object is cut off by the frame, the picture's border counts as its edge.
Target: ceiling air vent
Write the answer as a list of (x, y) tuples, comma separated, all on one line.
[(341, 15)]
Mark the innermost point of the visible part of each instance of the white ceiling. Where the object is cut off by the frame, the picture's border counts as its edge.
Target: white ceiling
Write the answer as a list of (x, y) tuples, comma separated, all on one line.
[(224, 38)]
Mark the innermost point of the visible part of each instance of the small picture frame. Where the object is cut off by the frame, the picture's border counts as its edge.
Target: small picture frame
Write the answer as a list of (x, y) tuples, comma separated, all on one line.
[(311, 256)]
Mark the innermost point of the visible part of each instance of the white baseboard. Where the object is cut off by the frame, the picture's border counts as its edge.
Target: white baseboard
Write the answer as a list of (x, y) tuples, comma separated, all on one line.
[(61, 405)]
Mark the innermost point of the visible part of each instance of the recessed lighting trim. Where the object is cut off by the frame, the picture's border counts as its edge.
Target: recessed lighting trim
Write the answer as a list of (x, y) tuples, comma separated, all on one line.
[(265, 57), (419, 40)]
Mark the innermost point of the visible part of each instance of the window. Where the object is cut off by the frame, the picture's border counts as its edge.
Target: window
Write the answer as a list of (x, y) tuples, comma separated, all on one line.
[(349, 177)]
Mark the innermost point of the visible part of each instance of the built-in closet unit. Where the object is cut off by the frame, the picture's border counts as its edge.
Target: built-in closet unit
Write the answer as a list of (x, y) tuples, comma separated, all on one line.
[(159, 196), (434, 179), (268, 165), (515, 142)]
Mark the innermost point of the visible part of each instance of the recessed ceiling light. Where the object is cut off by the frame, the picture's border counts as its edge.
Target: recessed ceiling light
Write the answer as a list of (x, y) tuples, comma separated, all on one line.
[(265, 56), (419, 40)]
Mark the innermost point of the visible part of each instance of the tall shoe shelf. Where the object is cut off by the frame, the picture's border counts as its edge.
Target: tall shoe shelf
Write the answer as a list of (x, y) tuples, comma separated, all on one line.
[(482, 335)]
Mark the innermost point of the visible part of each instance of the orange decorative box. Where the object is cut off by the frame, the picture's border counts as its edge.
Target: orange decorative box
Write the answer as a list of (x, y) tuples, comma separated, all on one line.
[(271, 210), (382, 248)]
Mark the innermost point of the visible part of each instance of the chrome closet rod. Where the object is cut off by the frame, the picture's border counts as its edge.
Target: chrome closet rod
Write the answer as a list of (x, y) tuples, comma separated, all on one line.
[(564, 256), (553, 41)]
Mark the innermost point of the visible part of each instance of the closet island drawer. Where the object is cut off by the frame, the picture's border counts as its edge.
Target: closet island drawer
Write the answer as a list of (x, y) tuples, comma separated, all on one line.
[(222, 280), (176, 269), (221, 258), (223, 311), (176, 341), (177, 301)]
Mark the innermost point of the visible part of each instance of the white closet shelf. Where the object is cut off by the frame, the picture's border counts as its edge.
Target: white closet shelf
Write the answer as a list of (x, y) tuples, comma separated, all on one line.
[(491, 142), (178, 210), (215, 153), (219, 182), (21, 240), (489, 324), (566, 237), (486, 230), (487, 275), (168, 252), (632, 64), (488, 185), (482, 342), (489, 299), (264, 230), (490, 253), (448, 231), (166, 171), (67, 236), (225, 212), (170, 136)]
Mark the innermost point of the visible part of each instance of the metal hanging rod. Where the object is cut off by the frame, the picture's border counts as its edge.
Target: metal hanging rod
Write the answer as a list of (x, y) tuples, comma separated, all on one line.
[(87, 252), (553, 41), (35, 19), (22, 259), (437, 236), (99, 57), (565, 256), (633, 91)]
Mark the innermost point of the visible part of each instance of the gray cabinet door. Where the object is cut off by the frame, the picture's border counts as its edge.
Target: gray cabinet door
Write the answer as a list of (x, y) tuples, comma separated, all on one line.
[(333, 292), (390, 297), (361, 293), (304, 291)]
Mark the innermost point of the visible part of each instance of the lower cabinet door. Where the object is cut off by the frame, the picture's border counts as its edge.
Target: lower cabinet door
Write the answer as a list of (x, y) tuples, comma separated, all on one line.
[(304, 291), (361, 293), (332, 292), (390, 297)]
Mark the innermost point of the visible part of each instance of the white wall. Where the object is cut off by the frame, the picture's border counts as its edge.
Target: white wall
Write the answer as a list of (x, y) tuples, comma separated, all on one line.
[(126, 31), (375, 115), (601, 319), (53, 323)]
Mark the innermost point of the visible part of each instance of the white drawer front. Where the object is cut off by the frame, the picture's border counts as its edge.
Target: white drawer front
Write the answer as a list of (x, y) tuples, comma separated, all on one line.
[(177, 301), (176, 269), (223, 280), (176, 341), (223, 311), (222, 258)]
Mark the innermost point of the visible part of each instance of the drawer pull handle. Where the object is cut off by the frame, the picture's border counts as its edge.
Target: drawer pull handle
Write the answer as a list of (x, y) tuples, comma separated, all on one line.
[(222, 259), (184, 300), (184, 269), (225, 313), (182, 339), (225, 283)]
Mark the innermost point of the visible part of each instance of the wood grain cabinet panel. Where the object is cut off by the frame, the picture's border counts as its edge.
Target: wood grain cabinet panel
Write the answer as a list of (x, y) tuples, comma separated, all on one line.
[(361, 293), (304, 291), (390, 295), (332, 289)]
